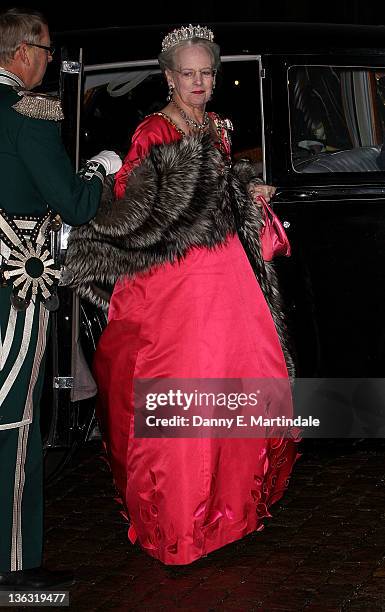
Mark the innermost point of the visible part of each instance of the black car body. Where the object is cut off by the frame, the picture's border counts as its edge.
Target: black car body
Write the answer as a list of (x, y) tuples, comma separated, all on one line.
[(308, 104)]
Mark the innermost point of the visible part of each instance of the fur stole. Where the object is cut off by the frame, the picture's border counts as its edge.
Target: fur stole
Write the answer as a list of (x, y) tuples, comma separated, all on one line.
[(181, 196)]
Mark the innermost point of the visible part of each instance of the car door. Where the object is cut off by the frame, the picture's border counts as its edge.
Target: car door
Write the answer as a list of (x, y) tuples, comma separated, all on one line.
[(324, 131), (64, 423)]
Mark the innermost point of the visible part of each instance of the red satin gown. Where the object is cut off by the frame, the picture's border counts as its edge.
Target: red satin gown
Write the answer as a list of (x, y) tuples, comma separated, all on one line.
[(204, 316)]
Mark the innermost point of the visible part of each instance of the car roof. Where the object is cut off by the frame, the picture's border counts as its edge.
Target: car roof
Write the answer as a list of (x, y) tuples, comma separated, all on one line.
[(143, 42)]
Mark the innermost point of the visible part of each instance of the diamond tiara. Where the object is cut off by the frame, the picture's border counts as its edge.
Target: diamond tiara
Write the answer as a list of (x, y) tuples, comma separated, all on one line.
[(186, 33)]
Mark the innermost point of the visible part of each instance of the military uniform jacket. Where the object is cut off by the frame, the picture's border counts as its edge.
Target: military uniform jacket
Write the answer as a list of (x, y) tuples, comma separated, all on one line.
[(35, 175)]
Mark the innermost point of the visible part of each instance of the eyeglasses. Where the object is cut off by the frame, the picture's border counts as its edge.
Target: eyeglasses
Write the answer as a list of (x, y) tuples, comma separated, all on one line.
[(51, 50), (189, 75)]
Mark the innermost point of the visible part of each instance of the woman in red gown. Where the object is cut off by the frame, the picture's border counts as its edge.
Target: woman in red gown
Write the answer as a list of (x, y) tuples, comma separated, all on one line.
[(188, 306)]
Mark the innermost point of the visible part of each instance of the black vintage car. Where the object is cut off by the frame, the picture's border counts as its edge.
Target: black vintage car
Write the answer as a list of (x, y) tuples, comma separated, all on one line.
[(308, 105)]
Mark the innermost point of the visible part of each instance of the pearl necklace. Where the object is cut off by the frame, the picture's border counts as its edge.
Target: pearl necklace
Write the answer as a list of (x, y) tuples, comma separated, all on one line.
[(191, 122)]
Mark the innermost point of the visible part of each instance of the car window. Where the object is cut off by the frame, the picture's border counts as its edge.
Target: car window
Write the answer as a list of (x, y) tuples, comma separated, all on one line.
[(337, 117), (116, 101)]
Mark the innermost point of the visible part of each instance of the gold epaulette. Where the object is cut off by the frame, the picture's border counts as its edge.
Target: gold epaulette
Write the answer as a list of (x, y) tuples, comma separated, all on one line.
[(39, 106)]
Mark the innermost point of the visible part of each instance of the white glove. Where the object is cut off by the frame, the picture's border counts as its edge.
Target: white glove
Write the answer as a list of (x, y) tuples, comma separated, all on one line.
[(109, 160)]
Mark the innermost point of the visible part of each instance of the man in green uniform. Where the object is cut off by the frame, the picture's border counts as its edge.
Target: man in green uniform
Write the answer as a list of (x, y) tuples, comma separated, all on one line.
[(36, 177)]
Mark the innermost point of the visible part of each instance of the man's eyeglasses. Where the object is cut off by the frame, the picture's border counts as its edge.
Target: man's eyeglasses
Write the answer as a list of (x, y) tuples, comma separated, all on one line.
[(189, 75), (51, 50)]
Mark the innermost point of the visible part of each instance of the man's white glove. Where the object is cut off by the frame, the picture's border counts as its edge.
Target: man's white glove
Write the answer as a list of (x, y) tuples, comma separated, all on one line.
[(110, 161)]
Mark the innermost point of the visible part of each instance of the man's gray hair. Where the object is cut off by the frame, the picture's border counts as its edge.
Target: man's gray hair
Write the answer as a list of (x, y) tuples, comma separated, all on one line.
[(18, 25)]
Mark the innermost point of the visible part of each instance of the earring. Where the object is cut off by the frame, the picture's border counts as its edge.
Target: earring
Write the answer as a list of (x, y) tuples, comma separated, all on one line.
[(170, 92), (212, 89)]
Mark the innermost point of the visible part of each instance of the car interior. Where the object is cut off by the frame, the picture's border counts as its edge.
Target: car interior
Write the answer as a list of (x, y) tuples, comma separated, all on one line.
[(337, 117)]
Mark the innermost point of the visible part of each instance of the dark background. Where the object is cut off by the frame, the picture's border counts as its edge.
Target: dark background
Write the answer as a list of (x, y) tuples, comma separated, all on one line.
[(64, 15)]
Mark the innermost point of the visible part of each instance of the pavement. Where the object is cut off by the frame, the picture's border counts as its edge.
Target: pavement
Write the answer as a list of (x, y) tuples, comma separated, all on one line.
[(323, 550)]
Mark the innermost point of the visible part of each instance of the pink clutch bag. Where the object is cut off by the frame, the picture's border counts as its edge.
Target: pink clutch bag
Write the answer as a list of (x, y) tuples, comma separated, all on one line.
[(274, 240)]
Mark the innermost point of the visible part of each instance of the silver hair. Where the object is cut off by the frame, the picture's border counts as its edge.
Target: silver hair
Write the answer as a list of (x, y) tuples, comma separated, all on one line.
[(166, 59), (17, 25)]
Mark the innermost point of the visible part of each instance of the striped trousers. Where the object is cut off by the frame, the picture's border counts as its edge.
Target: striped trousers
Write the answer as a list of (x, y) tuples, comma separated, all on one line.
[(23, 337)]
